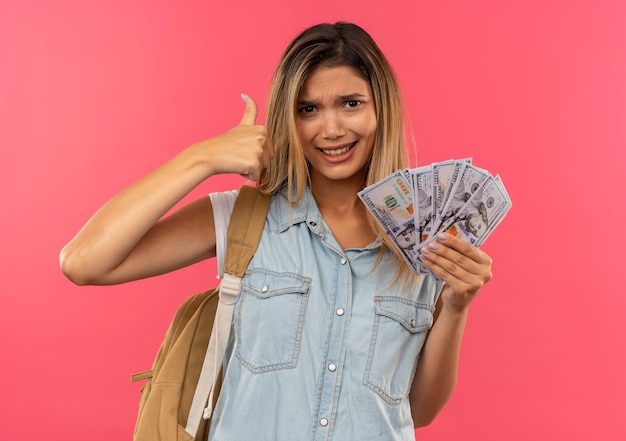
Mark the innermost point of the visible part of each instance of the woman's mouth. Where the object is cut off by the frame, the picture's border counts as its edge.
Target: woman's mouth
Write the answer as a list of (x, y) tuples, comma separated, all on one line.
[(338, 151)]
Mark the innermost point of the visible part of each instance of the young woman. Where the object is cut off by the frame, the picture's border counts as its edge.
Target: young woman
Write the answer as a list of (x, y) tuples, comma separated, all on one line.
[(334, 338)]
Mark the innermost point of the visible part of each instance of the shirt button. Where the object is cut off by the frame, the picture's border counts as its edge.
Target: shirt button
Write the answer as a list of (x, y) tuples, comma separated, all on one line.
[(343, 261), (313, 224), (332, 367), (324, 422), (340, 311), (265, 288)]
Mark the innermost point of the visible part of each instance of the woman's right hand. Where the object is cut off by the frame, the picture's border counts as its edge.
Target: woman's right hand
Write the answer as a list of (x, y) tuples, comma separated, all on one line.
[(245, 149), (128, 238)]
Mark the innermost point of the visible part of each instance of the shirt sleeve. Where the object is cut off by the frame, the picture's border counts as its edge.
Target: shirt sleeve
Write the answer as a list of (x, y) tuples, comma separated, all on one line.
[(223, 203)]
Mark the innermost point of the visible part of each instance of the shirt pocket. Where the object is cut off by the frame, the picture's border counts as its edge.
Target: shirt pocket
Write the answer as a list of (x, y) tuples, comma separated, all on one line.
[(399, 332), (269, 320)]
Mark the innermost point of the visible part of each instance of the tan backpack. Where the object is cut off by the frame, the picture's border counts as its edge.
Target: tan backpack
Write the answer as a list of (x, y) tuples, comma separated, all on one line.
[(183, 384)]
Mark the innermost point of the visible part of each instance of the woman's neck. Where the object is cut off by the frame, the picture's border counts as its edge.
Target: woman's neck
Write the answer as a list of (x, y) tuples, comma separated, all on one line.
[(334, 196), (343, 211)]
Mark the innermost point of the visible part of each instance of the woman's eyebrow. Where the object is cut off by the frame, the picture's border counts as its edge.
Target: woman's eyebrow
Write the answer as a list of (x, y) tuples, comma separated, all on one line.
[(349, 97), (306, 102), (352, 96)]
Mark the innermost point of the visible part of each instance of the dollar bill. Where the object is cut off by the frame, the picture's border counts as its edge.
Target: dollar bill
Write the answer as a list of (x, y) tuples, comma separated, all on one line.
[(464, 185), (422, 184), (391, 204), (442, 173), (445, 173), (412, 205), (480, 215), (498, 215)]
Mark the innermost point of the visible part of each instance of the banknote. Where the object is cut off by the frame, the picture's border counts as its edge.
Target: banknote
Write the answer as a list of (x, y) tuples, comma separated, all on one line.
[(391, 204), (422, 185), (411, 205), (480, 215), (465, 184), (498, 215), (444, 175)]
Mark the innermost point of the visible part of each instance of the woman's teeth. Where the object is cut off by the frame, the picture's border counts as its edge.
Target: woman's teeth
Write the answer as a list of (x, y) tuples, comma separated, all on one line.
[(338, 152)]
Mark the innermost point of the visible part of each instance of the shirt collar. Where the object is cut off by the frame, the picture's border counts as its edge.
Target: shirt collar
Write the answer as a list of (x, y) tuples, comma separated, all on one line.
[(306, 211)]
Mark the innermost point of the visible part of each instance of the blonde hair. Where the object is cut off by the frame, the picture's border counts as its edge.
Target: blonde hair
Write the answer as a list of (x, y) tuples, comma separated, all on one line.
[(333, 45)]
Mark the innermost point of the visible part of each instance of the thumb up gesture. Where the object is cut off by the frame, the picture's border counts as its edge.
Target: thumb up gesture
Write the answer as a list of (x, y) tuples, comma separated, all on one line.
[(245, 149), (250, 112)]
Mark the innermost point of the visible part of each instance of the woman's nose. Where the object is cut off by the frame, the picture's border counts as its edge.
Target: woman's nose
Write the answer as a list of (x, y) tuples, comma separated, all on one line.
[(332, 126)]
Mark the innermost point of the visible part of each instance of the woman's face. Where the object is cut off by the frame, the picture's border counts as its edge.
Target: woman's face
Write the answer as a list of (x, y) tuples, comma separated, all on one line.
[(336, 123)]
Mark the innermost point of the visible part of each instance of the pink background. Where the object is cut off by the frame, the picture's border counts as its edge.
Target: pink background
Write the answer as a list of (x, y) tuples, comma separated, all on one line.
[(95, 94)]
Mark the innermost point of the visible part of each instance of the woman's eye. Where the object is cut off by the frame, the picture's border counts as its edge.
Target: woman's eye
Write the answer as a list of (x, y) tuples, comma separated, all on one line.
[(352, 103), (307, 109)]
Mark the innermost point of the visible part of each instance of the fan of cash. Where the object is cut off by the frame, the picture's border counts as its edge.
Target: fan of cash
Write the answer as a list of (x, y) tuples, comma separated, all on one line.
[(454, 196)]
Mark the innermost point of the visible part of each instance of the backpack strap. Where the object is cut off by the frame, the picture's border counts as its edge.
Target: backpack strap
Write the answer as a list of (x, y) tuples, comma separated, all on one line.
[(244, 233), (245, 229)]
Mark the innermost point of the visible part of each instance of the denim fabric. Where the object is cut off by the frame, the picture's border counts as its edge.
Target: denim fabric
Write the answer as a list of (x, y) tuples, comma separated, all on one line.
[(323, 347)]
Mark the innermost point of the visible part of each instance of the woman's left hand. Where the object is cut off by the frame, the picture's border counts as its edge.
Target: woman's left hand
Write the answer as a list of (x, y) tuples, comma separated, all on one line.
[(463, 267)]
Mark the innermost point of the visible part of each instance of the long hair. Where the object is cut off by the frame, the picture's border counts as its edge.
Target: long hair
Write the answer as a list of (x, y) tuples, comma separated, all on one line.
[(332, 45)]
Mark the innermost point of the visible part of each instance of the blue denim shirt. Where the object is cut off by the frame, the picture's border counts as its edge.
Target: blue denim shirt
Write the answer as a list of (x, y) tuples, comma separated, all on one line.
[(324, 346)]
